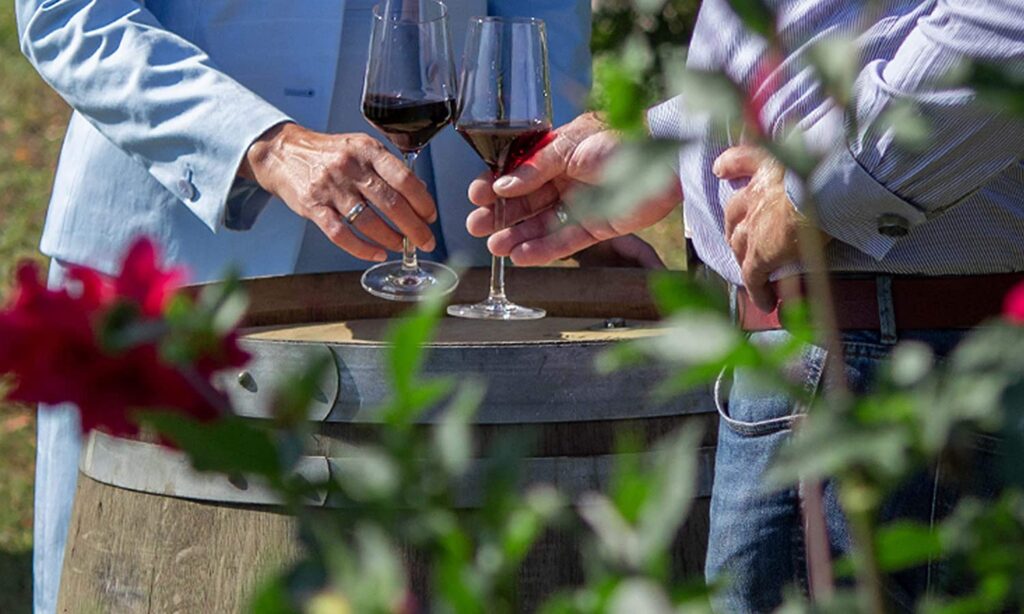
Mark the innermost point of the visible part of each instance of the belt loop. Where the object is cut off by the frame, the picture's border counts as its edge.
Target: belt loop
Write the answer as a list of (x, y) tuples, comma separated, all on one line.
[(886, 310), (734, 304)]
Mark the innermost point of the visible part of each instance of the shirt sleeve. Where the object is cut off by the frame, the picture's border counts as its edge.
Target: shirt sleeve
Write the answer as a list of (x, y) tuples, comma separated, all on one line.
[(156, 96), (873, 188)]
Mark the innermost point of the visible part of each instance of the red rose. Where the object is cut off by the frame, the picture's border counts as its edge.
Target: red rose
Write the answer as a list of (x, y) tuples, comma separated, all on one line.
[(51, 345), (143, 282), (1013, 305)]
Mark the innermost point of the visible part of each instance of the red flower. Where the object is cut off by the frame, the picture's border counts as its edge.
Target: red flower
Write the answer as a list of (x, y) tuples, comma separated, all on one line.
[(143, 282), (760, 87), (1013, 305), (51, 345)]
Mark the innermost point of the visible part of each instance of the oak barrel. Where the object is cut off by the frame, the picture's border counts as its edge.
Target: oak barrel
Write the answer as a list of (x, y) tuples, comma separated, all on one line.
[(149, 535)]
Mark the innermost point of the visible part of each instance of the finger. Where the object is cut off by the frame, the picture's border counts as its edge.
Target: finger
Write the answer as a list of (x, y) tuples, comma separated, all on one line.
[(549, 162), (563, 243), (757, 281), (504, 241), (482, 222), (738, 162), (739, 243), (393, 205), (335, 228), (370, 224), (540, 240), (636, 249), (481, 190), (736, 212), (404, 181)]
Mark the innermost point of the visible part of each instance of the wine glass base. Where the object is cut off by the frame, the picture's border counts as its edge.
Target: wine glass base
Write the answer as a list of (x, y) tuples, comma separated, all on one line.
[(391, 281), (496, 309)]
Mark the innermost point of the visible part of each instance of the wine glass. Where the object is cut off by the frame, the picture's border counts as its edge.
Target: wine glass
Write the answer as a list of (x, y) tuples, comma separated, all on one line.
[(505, 115), (409, 95)]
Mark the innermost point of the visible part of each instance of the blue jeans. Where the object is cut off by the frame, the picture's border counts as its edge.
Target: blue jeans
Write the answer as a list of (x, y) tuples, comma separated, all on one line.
[(756, 543), (58, 443)]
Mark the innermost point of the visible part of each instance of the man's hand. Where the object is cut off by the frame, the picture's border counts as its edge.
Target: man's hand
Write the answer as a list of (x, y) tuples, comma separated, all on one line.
[(575, 156), (321, 177), (761, 224), (629, 251)]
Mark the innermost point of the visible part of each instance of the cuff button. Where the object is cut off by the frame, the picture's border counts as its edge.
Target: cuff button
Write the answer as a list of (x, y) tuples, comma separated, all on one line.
[(892, 225), (186, 190)]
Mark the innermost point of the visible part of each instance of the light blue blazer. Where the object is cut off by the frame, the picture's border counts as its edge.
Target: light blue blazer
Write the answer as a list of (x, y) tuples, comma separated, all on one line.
[(168, 94)]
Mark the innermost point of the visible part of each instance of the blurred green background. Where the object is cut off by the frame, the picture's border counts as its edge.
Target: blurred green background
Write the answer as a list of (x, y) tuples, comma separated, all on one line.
[(32, 122)]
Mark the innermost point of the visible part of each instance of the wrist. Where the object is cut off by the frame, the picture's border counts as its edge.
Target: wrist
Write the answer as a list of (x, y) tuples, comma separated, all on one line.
[(258, 158)]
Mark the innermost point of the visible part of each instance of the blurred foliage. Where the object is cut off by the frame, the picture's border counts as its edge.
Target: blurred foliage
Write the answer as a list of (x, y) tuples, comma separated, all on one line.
[(633, 43)]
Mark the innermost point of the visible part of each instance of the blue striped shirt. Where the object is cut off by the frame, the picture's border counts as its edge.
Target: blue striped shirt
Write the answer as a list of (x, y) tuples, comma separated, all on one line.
[(961, 195)]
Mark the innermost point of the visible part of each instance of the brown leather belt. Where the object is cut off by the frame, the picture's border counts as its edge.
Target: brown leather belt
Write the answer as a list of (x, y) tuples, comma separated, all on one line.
[(917, 302)]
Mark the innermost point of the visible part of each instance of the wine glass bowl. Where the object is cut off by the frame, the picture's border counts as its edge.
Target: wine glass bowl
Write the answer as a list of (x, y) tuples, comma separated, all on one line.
[(505, 116), (409, 96)]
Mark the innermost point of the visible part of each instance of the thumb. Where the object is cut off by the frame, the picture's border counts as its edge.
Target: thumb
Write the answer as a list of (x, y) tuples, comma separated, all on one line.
[(738, 162), (548, 162), (632, 247)]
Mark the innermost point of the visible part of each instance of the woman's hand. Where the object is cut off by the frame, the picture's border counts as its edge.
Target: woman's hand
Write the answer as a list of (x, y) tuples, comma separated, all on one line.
[(322, 177)]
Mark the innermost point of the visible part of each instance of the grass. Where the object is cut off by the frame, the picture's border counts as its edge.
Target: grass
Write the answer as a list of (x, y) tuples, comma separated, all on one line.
[(32, 122)]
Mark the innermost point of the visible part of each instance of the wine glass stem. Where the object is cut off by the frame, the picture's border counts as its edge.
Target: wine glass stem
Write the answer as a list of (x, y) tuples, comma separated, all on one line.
[(498, 263), (409, 260)]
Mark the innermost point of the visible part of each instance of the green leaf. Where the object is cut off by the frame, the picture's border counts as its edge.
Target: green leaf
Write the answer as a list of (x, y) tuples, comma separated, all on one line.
[(693, 339), (905, 544), (674, 479), (229, 445), (827, 444), (379, 582), (837, 63), (453, 440), (407, 339), (909, 127), (1002, 86), (638, 172), (525, 525), (365, 473), (617, 540), (756, 16), (674, 292), (713, 95), (272, 598), (910, 363), (640, 595), (299, 389), (619, 89)]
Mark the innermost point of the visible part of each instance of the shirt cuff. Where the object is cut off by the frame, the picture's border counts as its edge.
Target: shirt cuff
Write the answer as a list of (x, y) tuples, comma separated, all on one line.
[(205, 180), (853, 207), (245, 203)]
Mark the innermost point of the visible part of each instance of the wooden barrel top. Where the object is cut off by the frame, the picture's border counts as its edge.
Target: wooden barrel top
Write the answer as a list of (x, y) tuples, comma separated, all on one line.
[(540, 375), (455, 331), (563, 292)]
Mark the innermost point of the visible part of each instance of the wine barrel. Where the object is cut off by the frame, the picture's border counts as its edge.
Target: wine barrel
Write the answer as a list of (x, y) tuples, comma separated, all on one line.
[(150, 535)]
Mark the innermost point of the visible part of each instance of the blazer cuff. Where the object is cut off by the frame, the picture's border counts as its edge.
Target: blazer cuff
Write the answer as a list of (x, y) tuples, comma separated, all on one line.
[(205, 179), (853, 207)]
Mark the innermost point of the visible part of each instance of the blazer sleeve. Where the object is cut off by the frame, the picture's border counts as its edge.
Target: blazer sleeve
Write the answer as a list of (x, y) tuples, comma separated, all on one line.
[(152, 93)]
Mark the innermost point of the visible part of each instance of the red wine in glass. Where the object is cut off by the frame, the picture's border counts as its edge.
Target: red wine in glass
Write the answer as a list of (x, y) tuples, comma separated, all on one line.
[(409, 95), (409, 124), (504, 145), (505, 115)]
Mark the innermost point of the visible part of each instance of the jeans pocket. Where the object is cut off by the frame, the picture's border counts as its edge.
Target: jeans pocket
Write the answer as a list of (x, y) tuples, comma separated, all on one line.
[(752, 407)]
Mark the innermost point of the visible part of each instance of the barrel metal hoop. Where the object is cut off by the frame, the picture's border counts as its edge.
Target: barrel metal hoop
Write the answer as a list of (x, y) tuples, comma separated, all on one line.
[(150, 468)]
